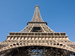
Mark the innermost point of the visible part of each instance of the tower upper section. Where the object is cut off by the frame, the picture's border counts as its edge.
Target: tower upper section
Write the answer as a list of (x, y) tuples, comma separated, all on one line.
[(37, 16), (37, 24)]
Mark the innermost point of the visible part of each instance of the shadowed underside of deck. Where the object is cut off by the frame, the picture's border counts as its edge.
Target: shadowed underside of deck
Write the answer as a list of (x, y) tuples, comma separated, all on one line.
[(36, 51)]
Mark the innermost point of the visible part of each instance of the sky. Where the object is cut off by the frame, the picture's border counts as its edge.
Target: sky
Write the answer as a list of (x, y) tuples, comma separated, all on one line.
[(59, 14)]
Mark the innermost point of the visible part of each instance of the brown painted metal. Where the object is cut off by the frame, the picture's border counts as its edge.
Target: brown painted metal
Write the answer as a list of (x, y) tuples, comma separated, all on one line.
[(37, 39)]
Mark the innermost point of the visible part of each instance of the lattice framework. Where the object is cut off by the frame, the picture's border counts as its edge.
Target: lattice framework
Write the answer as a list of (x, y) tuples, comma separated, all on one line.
[(38, 35)]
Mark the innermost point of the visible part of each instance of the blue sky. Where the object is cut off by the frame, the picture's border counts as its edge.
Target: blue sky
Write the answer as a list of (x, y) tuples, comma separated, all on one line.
[(59, 14)]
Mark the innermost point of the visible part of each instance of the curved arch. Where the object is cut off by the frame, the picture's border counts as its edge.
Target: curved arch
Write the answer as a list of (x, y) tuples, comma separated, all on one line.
[(56, 45)]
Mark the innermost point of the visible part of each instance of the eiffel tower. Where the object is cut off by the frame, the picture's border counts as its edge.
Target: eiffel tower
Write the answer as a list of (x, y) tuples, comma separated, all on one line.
[(37, 39)]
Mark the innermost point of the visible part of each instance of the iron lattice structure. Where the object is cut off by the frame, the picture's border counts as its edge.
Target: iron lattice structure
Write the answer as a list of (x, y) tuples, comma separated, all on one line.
[(37, 39)]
